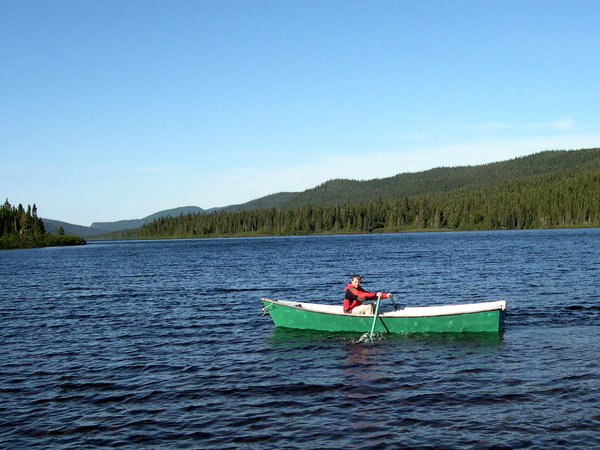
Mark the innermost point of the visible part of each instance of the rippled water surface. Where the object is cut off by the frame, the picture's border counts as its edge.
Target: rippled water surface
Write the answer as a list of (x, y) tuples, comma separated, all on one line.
[(162, 344)]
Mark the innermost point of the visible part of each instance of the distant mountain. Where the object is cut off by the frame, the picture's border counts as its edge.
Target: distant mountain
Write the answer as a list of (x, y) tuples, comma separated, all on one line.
[(136, 223), (99, 228), (78, 230)]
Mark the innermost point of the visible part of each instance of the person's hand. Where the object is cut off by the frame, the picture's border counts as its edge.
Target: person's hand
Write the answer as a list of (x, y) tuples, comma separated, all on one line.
[(389, 295)]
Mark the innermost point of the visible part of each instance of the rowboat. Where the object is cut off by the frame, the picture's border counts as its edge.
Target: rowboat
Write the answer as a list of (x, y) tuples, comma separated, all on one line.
[(466, 318)]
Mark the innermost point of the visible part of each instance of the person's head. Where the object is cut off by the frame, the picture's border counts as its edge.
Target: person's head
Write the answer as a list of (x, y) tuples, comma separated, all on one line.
[(355, 280)]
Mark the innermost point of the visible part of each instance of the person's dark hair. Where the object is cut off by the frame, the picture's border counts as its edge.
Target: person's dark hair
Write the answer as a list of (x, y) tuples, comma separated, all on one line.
[(352, 277)]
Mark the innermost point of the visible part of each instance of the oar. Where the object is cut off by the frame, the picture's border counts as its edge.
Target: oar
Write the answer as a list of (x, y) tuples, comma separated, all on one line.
[(375, 316)]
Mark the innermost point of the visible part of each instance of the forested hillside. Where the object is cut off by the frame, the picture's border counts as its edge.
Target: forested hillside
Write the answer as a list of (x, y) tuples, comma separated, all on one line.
[(269, 201), (22, 228), (444, 179)]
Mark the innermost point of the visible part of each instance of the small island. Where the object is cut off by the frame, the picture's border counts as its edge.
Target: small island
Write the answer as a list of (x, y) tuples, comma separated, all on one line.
[(22, 228)]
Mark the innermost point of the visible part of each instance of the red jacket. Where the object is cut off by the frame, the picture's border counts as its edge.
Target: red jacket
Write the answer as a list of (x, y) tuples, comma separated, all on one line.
[(355, 296)]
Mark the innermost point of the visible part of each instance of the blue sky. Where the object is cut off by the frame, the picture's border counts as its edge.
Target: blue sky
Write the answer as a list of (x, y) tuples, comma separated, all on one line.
[(114, 110)]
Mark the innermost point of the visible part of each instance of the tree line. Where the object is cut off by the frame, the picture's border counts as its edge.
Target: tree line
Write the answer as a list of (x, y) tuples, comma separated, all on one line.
[(567, 198), (22, 228)]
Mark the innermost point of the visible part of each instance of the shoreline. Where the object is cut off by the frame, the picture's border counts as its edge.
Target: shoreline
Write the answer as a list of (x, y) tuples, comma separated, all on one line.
[(334, 233)]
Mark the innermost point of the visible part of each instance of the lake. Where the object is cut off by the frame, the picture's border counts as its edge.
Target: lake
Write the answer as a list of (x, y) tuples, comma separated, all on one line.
[(162, 344)]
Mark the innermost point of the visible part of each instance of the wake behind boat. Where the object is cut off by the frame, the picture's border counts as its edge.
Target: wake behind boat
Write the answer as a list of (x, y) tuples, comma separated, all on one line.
[(470, 317)]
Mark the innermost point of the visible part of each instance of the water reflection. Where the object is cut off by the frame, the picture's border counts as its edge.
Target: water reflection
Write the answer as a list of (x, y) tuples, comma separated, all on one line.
[(288, 337)]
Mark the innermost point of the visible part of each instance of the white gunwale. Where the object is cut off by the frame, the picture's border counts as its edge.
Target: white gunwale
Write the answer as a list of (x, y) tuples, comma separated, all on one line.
[(415, 311)]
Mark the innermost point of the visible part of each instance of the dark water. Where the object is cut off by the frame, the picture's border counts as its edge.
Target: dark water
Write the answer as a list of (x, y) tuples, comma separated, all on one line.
[(162, 344)]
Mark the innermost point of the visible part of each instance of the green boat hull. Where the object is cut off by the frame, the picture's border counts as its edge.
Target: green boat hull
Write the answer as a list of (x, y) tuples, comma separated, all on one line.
[(303, 318)]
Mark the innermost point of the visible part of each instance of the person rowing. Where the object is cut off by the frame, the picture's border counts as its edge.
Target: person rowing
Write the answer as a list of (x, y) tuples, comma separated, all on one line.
[(355, 295)]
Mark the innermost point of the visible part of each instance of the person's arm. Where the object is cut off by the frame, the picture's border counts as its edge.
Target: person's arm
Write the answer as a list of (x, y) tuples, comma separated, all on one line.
[(363, 295), (360, 292)]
